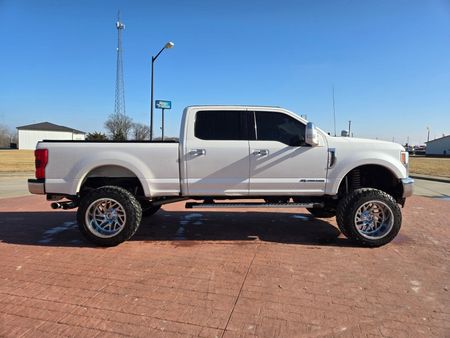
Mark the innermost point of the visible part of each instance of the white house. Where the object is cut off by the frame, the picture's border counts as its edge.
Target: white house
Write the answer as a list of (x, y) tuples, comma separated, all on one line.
[(31, 134), (439, 146)]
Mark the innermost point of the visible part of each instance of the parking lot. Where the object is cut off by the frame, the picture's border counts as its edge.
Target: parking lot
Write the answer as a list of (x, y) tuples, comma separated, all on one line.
[(230, 273)]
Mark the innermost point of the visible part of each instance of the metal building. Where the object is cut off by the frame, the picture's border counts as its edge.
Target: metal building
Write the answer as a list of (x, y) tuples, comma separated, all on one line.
[(30, 134), (439, 146)]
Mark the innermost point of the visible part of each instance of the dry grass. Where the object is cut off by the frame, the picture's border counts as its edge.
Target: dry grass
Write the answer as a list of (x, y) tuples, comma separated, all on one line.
[(430, 166), (16, 161)]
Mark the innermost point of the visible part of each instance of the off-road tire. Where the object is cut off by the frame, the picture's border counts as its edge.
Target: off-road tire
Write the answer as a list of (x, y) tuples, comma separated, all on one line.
[(148, 209), (322, 212), (130, 204), (348, 207)]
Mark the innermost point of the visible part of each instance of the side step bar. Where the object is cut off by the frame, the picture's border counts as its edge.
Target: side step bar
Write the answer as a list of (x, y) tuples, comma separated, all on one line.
[(192, 205)]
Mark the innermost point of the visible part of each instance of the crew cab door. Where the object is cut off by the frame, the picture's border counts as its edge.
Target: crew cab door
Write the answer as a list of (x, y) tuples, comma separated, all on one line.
[(281, 163), (217, 154)]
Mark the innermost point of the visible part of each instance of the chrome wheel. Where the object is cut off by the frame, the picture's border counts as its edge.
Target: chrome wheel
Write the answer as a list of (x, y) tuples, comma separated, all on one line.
[(105, 217), (374, 219)]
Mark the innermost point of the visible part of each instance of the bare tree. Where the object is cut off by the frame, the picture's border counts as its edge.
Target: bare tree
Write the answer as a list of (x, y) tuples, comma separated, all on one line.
[(119, 126), (7, 136), (141, 132)]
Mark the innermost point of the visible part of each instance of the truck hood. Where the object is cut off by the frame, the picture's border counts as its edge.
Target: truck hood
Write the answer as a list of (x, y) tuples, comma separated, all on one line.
[(361, 143), (353, 152)]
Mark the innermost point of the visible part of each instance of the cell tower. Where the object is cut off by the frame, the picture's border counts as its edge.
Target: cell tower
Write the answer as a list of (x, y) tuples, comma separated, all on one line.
[(119, 105)]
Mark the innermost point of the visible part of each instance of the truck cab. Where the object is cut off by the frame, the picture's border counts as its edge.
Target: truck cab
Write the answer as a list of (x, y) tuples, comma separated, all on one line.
[(250, 151)]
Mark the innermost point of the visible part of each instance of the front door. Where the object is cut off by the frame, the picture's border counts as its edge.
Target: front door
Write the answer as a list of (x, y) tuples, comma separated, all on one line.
[(217, 157), (280, 161)]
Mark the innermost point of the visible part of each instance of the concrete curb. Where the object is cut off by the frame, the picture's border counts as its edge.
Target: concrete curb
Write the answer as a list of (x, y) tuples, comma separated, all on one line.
[(430, 178), (29, 174)]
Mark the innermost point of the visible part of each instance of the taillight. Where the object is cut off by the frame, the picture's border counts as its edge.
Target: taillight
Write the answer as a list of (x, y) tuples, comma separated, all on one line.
[(41, 159)]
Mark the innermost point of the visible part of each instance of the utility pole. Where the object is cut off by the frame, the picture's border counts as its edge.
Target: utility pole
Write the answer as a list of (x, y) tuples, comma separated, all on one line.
[(349, 127), (119, 104), (428, 136)]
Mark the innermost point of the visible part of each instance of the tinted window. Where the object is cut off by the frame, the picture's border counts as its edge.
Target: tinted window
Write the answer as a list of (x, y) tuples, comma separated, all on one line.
[(221, 125), (272, 126)]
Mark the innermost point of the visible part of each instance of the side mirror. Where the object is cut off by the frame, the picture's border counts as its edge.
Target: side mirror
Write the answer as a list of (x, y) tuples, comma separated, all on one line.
[(311, 136)]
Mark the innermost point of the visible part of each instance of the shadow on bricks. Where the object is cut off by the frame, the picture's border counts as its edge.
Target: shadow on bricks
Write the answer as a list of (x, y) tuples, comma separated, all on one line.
[(59, 228)]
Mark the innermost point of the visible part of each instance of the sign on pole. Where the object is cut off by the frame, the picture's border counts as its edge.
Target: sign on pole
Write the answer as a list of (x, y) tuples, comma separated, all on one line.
[(161, 104)]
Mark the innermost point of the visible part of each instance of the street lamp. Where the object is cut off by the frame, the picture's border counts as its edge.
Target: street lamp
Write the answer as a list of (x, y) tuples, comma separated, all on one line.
[(166, 46)]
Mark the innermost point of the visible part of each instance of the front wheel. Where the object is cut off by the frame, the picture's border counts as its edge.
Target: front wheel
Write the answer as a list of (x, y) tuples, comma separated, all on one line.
[(109, 215), (369, 216)]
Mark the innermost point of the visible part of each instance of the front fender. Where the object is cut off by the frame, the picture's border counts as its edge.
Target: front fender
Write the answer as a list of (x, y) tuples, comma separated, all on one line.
[(343, 167)]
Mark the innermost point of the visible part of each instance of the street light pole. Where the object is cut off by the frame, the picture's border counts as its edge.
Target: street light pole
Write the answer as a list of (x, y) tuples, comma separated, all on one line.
[(167, 45), (162, 125)]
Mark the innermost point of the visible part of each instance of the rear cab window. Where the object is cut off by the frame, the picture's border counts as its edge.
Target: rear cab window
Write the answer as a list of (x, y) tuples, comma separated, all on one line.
[(221, 125)]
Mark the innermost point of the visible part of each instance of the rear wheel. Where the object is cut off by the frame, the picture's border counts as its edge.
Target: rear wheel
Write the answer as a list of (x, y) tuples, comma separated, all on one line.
[(369, 216), (109, 215)]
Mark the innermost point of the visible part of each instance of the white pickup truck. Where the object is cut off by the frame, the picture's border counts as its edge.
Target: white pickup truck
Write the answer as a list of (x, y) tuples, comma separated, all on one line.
[(265, 154)]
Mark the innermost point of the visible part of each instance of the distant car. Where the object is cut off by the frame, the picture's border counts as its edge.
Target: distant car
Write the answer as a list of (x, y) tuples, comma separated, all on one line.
[(420, 150), (229, 152)]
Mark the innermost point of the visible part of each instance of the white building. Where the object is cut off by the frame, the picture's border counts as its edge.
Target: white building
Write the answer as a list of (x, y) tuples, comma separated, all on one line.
[(439, 146), (31, 134)]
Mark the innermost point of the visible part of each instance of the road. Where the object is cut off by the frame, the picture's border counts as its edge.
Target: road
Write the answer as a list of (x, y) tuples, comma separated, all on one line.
[(432, 189), (13, 185)]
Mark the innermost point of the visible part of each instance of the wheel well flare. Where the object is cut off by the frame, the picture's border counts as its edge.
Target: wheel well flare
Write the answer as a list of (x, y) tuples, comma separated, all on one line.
[(371, 176)]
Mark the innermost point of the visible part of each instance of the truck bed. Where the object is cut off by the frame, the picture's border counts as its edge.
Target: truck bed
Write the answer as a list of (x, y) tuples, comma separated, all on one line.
[(155, 164)]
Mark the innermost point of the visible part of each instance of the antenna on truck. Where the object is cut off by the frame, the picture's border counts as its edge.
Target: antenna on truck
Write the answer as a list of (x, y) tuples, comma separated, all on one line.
[(334, 113)]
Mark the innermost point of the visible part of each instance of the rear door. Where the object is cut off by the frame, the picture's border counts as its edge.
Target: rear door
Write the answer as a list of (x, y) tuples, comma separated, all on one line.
[(217, 154), (281, 163)]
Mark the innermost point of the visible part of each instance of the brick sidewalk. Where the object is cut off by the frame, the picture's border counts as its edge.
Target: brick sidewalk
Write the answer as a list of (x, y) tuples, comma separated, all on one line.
[(217, 273)]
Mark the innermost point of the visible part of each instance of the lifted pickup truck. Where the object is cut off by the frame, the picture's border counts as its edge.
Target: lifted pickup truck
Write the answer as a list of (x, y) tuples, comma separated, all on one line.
[(267, 154)]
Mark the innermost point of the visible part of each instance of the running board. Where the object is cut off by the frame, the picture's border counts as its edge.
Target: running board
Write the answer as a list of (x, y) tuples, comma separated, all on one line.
[(192, 205)]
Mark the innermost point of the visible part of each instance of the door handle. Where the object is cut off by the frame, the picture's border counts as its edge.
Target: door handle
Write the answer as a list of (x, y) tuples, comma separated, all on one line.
[(261, 152), (198, 152)]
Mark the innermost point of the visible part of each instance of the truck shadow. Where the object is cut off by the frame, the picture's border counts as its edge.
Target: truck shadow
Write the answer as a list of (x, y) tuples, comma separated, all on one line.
[(59, 228)]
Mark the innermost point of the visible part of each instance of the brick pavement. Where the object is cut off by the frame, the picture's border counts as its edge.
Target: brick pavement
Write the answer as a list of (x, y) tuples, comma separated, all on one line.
[(222, 274)]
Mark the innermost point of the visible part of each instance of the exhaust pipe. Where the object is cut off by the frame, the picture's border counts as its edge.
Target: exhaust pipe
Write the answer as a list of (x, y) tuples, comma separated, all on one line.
[(56, 205), (64, 205)]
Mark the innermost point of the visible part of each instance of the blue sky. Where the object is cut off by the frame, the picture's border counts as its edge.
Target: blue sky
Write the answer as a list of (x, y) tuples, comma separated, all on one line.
[(388, 60)]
